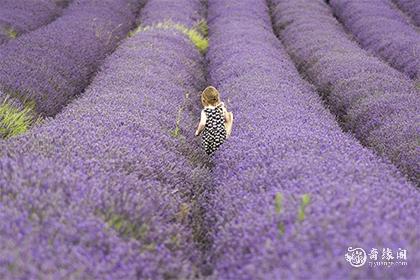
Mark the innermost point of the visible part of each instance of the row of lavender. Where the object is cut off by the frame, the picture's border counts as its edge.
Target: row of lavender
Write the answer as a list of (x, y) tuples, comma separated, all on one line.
[(20, 16), (103, 191), (412, 8), (44, 69), (292, 192), (376, 102), (381, 28)]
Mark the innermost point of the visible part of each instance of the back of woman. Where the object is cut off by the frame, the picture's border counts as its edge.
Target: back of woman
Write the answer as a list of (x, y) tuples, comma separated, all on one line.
[(215, 120)]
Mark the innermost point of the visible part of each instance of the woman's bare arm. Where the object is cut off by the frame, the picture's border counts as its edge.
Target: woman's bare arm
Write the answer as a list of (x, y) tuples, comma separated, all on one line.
[(202, 123), (225, 114)]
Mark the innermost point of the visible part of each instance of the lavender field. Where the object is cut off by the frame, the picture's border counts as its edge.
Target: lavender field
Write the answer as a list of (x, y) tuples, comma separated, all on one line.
[(101, 176)]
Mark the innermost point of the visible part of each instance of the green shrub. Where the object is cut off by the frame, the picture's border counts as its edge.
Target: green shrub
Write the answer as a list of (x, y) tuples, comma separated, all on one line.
[(14, 121), (200, 41)]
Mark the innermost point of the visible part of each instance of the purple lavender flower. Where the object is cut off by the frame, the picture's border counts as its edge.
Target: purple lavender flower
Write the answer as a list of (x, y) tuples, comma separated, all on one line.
[(378, 104), (116, 186), (105, 190), (291, 191), (52, 64), (381, 28), (21, 16), (411, 7)]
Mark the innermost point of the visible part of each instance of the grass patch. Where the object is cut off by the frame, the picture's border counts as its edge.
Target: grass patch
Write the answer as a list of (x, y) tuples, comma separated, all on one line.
[(141, 231), (202, 27), (128, 229), (198, 40), (10, 32), (197, 34), (14, 121), (177, 131), (278, 203), (184, 211), (125, 227), (306, 199)]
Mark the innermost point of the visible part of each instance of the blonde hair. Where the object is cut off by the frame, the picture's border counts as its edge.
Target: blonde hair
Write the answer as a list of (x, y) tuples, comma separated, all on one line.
[(210, 96)]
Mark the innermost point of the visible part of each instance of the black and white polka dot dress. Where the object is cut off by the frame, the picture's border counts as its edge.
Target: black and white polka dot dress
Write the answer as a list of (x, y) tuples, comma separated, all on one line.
[(214, 132)]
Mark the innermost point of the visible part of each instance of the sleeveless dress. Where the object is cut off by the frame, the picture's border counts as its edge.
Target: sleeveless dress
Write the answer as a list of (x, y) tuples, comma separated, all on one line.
[(214, 132)]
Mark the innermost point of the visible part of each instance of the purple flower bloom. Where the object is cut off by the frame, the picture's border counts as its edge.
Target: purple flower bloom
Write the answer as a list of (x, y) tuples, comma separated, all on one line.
[(377, 103), (21, 16), (105, 190), (285, 143), (381, 28), (56, 62), (412, 8), (116, 185)]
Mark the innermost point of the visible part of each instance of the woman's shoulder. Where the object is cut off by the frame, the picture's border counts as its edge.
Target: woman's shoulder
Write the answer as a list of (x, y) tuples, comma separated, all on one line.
[(212, 108), (222, 106)]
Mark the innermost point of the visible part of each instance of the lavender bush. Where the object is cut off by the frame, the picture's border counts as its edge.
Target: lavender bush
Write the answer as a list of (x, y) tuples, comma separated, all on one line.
[(291, 191), (377, 103), (49, 66), (21, 16), (188, 14), (380, 28), (411, 7), (106, 189)]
